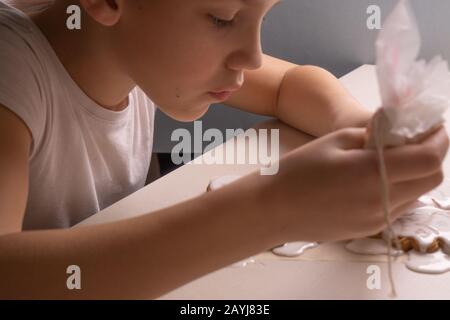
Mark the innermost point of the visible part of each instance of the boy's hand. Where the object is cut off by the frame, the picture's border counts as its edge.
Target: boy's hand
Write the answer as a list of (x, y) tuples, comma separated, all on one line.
[(330, 189)]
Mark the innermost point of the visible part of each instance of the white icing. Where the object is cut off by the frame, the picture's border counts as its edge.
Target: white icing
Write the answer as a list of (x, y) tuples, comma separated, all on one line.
[(425, 224), (425, 201), (432, 263), (293, 249), (243, 263), (217, 183), (442, 204), (371, 247)]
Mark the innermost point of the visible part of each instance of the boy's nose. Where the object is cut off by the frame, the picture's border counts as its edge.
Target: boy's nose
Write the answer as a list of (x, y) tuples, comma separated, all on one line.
[(248, 55)]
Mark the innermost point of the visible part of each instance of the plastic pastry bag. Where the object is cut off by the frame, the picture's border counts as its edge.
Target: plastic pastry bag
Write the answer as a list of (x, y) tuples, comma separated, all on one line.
[(414, 93)]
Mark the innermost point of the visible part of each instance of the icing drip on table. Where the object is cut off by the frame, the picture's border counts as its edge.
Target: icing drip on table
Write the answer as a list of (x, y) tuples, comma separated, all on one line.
[(427, 228), (243, 263), (293, 249)]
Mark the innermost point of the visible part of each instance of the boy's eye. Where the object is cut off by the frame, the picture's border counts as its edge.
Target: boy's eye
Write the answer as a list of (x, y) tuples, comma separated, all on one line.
[(221, 23)]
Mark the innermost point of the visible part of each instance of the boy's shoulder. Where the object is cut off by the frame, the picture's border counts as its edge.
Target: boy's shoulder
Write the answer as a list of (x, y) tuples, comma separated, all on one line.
[(15, 26), (21, 45)]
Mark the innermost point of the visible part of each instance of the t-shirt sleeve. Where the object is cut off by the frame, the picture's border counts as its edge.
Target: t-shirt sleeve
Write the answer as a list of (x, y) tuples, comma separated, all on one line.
[(20, 85)]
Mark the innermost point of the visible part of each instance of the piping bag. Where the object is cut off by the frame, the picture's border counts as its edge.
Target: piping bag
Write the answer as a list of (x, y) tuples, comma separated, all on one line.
[(414, 94)]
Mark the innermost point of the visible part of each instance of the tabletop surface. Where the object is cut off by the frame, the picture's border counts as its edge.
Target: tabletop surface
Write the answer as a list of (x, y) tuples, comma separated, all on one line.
[(326, 272)]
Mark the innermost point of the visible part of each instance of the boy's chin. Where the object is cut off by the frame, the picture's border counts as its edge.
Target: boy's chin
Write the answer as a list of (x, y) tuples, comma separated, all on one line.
[(187, 115)]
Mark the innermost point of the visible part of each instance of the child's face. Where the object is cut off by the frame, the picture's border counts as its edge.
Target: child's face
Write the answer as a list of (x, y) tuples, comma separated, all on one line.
[(177, 52)]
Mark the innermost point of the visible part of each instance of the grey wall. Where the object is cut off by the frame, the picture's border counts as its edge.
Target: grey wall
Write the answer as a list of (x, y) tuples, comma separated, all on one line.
[(328, 33)]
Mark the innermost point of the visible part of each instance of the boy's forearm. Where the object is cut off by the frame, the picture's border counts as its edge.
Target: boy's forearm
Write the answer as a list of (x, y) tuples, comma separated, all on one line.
[(143, 257), (313, 100)]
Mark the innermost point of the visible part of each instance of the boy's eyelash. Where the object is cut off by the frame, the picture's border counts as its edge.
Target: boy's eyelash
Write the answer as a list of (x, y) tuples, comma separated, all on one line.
[(220, 23)]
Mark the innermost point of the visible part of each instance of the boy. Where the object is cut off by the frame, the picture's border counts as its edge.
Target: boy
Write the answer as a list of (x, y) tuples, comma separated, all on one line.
[(76, 125)]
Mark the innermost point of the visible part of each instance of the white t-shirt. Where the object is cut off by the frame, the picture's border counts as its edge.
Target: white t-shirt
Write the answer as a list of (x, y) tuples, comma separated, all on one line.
[(29, 6), (83, 157)]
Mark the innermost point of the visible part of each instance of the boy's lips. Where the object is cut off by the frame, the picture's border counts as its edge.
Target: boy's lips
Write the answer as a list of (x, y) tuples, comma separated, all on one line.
[(224, 94), (221, 96)]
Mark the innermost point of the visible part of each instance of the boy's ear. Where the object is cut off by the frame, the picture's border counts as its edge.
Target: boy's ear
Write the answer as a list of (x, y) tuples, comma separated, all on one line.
[(105, 12)]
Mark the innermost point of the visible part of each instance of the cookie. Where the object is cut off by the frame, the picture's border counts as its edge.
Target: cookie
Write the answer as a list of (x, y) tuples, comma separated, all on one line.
[(424, 229)]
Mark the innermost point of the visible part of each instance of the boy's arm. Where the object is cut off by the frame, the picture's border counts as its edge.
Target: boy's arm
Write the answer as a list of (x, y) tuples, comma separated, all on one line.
[(143, 257), (308, 98), (139, 258), (15, 142)]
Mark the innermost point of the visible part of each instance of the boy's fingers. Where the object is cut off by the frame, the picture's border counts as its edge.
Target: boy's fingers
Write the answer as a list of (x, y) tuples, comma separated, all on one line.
[(403, 208), (406, 191), (410, 163), (351, 138), (403, 163), (439, 141), (416, 161)]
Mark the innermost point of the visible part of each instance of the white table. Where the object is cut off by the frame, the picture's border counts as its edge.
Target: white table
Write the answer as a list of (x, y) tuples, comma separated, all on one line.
[(326, 272)]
